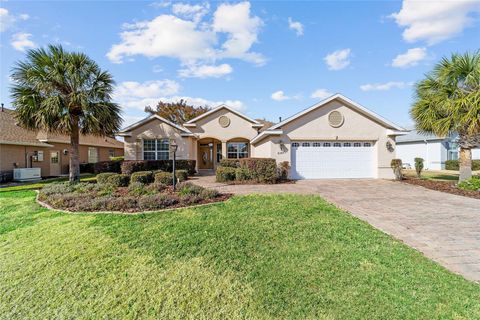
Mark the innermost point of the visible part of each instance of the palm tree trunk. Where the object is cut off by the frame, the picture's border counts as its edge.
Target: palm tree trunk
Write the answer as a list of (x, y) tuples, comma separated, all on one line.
[(465, 163), (74, 152)]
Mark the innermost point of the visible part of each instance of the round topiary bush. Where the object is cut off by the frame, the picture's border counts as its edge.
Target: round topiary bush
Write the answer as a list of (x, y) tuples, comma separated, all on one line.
[(144, 177), (181, 175), (225, 174), (164, 177), (119, 180)]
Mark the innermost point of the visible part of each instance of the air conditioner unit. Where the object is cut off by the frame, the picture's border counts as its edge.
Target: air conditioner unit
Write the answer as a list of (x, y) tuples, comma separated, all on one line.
[(27, 174)]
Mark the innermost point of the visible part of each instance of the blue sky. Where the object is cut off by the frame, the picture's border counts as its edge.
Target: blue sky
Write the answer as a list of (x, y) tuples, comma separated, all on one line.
[(267, 59)]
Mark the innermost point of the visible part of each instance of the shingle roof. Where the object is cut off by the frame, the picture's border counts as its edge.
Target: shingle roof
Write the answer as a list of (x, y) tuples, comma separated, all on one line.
[(414, 136), (10, 133)]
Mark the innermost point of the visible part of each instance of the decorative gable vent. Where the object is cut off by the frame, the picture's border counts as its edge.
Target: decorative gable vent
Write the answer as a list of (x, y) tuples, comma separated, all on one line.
[(335, 119), (224, 121)]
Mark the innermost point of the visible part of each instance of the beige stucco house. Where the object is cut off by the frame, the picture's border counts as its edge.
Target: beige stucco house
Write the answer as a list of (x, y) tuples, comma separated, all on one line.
[(335, 138)]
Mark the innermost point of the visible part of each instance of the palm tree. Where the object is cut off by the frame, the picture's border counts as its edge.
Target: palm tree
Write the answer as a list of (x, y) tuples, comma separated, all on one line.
[(447, 102), (67, 93)]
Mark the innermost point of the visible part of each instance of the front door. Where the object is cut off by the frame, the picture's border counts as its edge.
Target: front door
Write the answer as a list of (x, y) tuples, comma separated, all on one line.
[(206, 156), (54, 163)]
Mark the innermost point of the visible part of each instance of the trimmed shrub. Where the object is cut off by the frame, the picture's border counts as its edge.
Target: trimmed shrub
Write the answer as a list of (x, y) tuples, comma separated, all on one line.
[(156, 187), (131, 166), (137, 189), (455, 165), (102, 178), (57, 188), (164, 178), (242, 174), (209, 194), (156, 201), (471, 184), (283, 169), (396, 165), (86, 168), (144, 177), (260, 169), (181, 175), (107, 166), (118, 158), (187, 188), (418, 166), (119, 180), (224, 174), (230, 163)]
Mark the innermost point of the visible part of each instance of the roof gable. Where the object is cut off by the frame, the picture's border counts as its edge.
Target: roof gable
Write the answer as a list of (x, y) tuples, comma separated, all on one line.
[(126, 131), (192, 122), (349, 103)]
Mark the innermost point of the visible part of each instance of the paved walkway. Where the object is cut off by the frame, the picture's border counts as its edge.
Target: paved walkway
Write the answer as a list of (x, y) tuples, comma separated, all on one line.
[(445, 227)]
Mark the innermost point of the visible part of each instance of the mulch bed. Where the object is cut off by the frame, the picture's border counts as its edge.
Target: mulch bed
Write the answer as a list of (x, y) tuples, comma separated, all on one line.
[(443, 186)]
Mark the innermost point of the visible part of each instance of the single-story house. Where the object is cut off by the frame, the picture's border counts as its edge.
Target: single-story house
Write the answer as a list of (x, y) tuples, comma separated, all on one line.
[(335, 138), (434, 150), (21, 148)]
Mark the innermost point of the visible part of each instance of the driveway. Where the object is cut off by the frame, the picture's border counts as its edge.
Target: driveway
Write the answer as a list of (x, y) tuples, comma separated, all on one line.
[(445, 227)]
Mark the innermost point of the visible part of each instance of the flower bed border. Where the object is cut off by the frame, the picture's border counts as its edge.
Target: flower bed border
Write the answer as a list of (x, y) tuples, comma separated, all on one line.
[(448, 187), (221, 199)]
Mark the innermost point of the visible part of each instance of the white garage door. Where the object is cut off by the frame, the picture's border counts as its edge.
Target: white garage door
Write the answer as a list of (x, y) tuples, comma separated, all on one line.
[(333, 159)]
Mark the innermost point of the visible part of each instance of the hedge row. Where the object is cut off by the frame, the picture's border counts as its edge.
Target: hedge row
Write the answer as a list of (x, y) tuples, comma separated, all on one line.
[(141, 177), (101, 166), (263, 170), (454, 165), (131, 166)]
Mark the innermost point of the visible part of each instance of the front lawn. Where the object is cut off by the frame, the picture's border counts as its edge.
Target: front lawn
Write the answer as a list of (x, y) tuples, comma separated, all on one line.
[(272, 256)]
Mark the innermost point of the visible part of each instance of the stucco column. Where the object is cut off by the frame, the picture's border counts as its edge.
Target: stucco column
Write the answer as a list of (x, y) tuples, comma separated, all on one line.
[(224, 149)]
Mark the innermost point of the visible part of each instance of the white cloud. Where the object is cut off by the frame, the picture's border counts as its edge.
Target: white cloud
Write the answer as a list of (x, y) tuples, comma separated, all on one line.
[(296, 26), (160, 4), (410, 58), (21, 41), (188, 11), (435, 21), (338, 60), (192, 40), (321, 94), (133, 95), (157, 68), (242, 30), (205, 71), (279, 96), (384, 86), (24, 16), (6, 20)]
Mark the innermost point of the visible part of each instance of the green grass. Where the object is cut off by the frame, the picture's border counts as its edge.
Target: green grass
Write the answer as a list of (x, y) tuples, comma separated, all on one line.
[(268, 257), (40, 184), (433, 175)]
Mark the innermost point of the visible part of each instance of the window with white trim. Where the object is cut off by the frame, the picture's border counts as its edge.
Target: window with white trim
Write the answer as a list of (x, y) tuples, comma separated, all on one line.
[(295, 145), (237, 150), (156, 149), (305, 144), (337, 144), (92, 155)]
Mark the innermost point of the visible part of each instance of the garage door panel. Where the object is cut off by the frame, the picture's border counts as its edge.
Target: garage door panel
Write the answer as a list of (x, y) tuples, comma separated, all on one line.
[(332, 162)]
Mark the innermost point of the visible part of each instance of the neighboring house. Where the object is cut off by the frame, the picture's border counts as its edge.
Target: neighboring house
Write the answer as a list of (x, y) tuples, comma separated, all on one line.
[(432, 149), (21, 148), (336, 138)]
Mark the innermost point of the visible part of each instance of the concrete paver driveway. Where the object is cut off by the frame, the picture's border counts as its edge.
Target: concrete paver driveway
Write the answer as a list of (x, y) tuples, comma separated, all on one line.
[(445, 227)]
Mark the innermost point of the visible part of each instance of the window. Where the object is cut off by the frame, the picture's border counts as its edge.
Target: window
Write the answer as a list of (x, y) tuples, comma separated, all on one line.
[(317, 144), (347, 144), (156, 149), (219, 152), (367, 144), (305, 144), (237, 150), (357, 144), (111, 153), (327, 144), (92, 155), (337, 144), (295, 145), (54, 157)]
